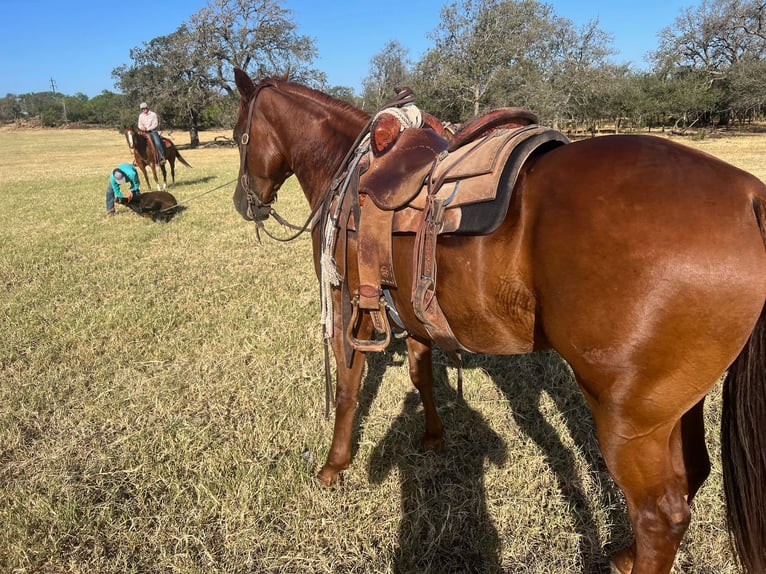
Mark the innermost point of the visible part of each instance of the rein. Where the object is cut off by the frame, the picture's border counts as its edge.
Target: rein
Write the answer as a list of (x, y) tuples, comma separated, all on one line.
[(310, 222)]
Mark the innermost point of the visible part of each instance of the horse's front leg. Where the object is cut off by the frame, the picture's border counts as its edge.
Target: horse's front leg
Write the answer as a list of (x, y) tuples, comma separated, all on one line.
[(347, 383), (156, 179), (146, 175), (422, 376)]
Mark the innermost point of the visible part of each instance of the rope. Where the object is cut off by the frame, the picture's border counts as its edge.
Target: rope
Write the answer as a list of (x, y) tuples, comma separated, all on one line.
[(409, 115), (196, 196), (329, 275)]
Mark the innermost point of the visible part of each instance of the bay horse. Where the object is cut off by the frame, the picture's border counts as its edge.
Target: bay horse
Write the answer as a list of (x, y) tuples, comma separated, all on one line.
[(640, 261), (143, 155)]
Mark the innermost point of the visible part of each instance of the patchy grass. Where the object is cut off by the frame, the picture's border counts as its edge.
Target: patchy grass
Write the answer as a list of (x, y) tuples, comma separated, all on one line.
[(161, 403)]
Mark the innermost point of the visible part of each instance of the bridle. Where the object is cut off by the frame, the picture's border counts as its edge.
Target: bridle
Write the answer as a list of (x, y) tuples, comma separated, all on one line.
[(254, 203)]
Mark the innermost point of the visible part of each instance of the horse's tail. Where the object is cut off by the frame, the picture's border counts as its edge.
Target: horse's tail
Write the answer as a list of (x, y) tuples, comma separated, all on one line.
[(181, 159), (743, 442)]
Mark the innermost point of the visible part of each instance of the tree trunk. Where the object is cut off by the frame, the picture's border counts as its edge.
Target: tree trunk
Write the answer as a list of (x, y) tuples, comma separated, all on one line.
[(194, 136), (193, 130)]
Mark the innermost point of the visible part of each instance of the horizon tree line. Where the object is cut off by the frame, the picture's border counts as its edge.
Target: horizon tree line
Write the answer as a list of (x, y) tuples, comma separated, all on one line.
[(709, 69)]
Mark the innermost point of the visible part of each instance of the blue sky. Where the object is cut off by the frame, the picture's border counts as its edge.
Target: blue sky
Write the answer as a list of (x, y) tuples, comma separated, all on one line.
[(77, 44)]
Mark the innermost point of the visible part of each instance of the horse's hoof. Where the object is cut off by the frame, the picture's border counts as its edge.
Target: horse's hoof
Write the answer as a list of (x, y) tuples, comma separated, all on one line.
[(622, 562), (435, 444), (328, 477)]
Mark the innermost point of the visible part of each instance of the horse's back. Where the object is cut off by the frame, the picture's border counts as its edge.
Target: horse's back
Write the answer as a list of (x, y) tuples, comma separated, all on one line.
[(643, 250)]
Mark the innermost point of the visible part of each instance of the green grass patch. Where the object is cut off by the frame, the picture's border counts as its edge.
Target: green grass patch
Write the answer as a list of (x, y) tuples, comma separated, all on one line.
[(161, 403)]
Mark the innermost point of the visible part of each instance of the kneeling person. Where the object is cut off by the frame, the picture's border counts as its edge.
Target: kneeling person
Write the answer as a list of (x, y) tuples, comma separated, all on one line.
[(122, 174)]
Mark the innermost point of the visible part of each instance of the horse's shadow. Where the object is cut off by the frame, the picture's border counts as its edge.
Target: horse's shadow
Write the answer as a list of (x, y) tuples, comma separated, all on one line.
[(199, 180), (523, 379), (443, 532)]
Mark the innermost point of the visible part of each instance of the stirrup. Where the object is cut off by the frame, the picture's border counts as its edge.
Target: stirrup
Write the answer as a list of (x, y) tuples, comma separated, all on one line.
[(380, 323)]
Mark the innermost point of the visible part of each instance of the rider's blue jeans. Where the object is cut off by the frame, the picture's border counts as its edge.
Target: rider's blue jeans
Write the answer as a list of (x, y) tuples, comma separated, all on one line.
[(158, 143)]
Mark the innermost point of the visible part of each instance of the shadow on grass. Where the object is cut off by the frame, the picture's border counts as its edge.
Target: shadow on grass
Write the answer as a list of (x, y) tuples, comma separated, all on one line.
[(445, 524), (523, 379), (198, 180)]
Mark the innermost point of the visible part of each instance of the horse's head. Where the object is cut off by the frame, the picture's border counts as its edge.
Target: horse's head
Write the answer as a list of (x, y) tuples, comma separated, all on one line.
[(130, 136), (263, 168)]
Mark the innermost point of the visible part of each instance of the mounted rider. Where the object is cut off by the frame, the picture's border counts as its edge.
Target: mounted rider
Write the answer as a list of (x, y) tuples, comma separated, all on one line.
[(149, 123)]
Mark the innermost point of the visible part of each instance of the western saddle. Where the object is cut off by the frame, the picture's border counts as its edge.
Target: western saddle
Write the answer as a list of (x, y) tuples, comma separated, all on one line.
[(404, 176)]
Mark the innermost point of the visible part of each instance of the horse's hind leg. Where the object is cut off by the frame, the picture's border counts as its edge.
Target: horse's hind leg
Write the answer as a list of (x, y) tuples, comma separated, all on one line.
[(652, 464), (422, 376), (689, 467), (692, 448)]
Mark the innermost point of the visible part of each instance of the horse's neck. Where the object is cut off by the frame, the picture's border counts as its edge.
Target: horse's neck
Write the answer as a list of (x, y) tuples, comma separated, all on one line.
[(314, 169), (316, 179)]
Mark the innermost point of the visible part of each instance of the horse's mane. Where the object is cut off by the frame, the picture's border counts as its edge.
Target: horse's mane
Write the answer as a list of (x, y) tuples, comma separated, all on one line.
[(314, 95)]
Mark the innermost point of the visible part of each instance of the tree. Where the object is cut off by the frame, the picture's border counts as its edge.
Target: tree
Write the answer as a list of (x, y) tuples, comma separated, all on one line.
[(257, 36), (569, 76), (714, 36), (344, 93), (11, 109), (107, 109), (477, 42), (186, 73), (493, 53), (723, 41), (747, 89), (389, 69), (171, 72)]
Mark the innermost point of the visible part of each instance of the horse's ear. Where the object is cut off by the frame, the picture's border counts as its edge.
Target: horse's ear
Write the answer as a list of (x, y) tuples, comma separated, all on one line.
[(244, 83), (286, 77)]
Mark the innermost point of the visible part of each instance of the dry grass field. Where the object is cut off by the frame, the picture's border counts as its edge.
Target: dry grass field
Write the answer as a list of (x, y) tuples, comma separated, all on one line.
[(161, 403)]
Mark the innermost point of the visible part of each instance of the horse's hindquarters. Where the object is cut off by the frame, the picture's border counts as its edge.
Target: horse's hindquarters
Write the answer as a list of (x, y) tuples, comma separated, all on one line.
[(650, 272), (645, 253)]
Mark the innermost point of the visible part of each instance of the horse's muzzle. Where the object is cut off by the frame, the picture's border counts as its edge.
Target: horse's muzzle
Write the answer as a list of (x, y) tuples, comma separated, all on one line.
[(258, 212), (250, 208)]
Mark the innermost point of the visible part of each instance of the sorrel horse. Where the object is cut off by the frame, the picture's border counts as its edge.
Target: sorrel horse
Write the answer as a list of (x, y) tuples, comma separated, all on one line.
[(642, 262), (143, 155)]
